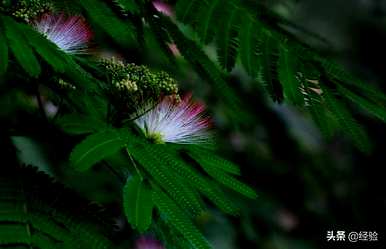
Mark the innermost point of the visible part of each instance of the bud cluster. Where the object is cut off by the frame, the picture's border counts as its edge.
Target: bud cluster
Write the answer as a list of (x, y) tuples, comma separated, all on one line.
[(133, 85), (132, 78), (26, 10)]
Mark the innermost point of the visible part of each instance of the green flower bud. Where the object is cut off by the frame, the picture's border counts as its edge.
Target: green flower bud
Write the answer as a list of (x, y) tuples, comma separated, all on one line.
[(30, 10), (140, 80)]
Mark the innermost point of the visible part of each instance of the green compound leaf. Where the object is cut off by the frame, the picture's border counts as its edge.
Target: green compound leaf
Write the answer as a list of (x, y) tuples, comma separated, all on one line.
[(213, 161), (35, 212), (172, 183), (186, 10), (203, 184), (249, 54), (20, 47), (137, 203), (77, 124), (268, 76), (227, 42), (221, 175), (97, 147), (288, 76), (346, 121), (179, 220), (375, 109), (102, 15)]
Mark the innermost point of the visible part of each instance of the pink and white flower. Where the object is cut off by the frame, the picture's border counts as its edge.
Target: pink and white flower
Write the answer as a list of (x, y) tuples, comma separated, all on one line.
[(71, 34), (148, 243), (163, 7), (180, 122)]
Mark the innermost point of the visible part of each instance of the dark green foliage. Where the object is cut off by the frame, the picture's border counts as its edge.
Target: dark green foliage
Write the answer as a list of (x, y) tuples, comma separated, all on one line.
[(200, 61), (178, 219), (204, 185), (165, 168), (173, 184), (208, 16), (248, 46), (137, 203), (33, 216), (288, 76), (3, 53), (186, 9), (274, 58), (90, 105), (79, 77), (368, 104), (128, 5), (97, 147), (269, 53), (169, 172), (102, 15), (337, 74), (316, 108), (345, 120), (227, 38), (214, 162), (20, 48), (207, 162), (164, 187), (170, 236), (229, 20), (67, 6), (162, 37), (77, 124)]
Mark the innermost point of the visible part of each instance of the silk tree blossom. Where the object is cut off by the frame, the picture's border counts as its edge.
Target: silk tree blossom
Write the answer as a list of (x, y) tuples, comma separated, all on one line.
[(71, 34), (148, 243), (172, 121), (163, 7)]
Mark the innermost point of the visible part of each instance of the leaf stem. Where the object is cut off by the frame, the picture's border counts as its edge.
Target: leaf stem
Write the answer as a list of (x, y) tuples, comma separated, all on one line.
[(134, 164)]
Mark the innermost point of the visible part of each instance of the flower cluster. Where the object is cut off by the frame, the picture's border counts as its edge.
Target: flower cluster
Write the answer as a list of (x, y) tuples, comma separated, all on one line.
[(70, 34), (172, 121), (134, 89)]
